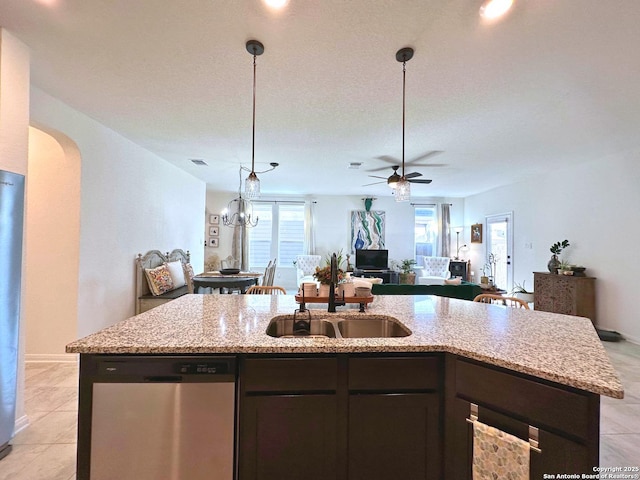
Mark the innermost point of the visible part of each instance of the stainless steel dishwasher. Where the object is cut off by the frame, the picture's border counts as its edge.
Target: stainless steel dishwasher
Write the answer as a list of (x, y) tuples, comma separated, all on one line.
[(163, 418)]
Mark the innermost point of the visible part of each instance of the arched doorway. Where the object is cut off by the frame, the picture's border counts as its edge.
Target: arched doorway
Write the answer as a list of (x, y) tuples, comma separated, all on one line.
[(52, 244)]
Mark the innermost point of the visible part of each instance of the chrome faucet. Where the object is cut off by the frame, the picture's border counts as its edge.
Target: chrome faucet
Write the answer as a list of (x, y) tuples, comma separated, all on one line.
[(333, 284)]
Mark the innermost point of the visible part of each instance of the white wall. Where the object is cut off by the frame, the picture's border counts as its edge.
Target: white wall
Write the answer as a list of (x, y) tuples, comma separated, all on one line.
[(595, 207), (333, 223), (131, 201)]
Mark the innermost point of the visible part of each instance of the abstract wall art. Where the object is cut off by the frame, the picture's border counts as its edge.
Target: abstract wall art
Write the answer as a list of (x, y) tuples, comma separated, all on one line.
[(367, 230)]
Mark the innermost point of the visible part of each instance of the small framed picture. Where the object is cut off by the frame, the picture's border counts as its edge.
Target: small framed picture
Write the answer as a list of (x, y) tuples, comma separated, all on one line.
[(214, 231), (476, 233), (214, 242), (214, 219)]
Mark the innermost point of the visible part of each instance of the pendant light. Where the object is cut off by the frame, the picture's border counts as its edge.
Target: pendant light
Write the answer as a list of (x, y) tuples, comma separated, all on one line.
[(252, 183), (239, 211), (403, 187)]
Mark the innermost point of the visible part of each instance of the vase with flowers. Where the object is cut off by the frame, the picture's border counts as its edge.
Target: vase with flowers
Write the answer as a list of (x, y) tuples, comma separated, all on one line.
[(556, 249), (323, 275)]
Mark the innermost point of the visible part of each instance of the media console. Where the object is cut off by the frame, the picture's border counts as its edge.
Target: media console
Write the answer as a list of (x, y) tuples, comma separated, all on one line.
[(387, 276)]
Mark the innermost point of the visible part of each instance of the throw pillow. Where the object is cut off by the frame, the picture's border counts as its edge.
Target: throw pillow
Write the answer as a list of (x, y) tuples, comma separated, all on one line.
[(188, 271), (177, 273), (159, 279)]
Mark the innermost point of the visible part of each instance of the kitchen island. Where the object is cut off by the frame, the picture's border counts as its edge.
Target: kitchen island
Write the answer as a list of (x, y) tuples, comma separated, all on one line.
[(367, 407)]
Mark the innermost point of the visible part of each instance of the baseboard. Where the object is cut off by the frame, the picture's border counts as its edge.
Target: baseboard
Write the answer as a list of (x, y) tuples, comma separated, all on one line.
[(21, 423), (51, 357)]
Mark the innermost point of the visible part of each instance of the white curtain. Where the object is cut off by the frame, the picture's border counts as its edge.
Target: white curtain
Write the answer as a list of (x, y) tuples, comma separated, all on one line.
[(445, 232), (309, 228)]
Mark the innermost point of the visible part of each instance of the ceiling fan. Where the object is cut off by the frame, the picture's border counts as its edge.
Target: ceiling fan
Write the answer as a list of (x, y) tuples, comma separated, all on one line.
[(410, 163), (394, 178)]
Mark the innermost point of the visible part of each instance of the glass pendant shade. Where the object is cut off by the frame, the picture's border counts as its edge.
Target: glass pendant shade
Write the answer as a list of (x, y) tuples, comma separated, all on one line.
[(403, 190), (252, 186)]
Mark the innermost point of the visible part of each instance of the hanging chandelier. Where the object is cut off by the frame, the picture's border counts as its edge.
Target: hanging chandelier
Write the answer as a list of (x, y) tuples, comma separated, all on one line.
[(239, 211), (403, 187), (252, 183)]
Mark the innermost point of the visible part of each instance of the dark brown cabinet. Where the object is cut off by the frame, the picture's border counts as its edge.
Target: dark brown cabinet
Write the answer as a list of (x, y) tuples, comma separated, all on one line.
[(567, 419), (394, 418), (567, 294), (288, 419), (344, 417), (289, 437)]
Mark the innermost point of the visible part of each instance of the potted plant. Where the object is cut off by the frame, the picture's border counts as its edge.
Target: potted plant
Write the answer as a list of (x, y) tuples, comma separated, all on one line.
[(565, 268), (323, 275), (407, 275), (556, 249), (520, 291)]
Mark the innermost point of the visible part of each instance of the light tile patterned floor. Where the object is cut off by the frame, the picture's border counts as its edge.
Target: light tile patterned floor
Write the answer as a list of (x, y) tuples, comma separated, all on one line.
[(46, 450)]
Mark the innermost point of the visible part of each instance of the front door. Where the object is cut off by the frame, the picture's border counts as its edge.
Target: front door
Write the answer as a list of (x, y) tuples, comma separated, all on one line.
[(500, 248)]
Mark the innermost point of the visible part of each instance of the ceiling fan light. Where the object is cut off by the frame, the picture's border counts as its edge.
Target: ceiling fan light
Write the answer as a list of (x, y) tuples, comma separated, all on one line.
[(252, 186), (492, 9), (403, 190)]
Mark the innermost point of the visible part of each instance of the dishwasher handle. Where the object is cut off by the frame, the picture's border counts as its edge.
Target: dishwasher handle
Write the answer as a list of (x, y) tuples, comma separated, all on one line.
[(163, 378)]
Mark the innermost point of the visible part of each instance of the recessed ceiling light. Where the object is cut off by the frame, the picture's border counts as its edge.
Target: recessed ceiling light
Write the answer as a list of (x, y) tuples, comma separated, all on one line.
[(355, 165), (276, 3), (492, 9)]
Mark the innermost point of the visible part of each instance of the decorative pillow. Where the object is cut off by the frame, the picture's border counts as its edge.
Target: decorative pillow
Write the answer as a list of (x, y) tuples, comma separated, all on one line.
[(177, 273), (188, 271), (159, 279)]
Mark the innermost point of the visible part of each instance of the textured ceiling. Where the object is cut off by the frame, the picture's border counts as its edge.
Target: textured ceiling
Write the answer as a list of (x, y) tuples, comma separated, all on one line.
[(554, 83)]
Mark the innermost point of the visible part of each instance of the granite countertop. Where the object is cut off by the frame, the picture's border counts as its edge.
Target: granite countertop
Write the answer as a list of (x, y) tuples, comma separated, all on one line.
[(554, 347)]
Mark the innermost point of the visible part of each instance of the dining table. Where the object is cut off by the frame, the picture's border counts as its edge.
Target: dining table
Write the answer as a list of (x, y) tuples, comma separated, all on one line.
[(226, 283)]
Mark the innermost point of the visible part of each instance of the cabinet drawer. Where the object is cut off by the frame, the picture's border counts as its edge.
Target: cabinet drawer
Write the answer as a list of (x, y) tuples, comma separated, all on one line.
[(394, 373), (289, 374), (535, 403)]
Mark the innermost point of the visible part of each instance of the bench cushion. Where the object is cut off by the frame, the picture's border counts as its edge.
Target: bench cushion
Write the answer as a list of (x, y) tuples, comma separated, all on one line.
[(170, 295)]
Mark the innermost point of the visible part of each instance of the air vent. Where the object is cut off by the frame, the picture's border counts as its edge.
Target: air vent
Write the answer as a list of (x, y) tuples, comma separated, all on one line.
[(197, 161), (355, 165)]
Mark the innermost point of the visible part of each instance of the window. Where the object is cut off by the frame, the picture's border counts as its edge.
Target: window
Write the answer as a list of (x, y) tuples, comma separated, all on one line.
[(279, 234), (426, 230)]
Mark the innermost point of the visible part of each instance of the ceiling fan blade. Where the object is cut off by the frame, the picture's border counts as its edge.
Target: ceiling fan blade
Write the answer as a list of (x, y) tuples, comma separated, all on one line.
[(380, 169), (389, 159), (419, 180), (377, 176), (428, 165), (413, 175), (424, 156), (374, 183)]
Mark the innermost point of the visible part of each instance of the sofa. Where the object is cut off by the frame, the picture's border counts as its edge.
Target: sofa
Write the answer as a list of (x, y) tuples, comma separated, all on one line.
[(464, 291), (161, 278)]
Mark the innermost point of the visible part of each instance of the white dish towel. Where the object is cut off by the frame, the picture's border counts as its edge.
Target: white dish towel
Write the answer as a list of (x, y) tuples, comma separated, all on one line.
[(498, 455)]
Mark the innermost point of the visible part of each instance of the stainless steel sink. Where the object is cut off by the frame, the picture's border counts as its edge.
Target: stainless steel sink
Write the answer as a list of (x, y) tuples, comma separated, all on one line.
[(360, 326), (379, 327), (282, 327)]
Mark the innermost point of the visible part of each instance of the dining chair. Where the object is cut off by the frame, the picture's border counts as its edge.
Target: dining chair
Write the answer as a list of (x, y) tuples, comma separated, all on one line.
[(266, 290), (499, 299)]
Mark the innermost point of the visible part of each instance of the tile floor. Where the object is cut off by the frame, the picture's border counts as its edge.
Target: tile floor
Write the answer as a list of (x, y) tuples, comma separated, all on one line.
[(46, 450)]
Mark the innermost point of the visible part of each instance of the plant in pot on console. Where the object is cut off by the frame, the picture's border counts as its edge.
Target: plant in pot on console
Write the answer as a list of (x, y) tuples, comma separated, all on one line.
[(556, 249), (407, 275), (565, 268), (520, 291)]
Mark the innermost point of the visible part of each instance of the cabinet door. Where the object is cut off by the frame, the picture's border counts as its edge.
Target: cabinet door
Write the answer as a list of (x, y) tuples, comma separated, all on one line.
[(559, 454), (288, 437), (394, 436)]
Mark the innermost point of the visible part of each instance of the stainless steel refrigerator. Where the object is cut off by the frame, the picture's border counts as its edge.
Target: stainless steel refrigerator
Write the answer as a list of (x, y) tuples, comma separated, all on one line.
[(11, 228)]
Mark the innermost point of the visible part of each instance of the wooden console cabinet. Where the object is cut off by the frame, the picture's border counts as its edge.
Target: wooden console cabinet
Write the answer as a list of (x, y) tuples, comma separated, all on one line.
[(565, 294)]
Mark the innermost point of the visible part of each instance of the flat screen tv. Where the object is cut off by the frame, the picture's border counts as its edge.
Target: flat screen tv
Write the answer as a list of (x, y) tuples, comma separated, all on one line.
[(372, 259)]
